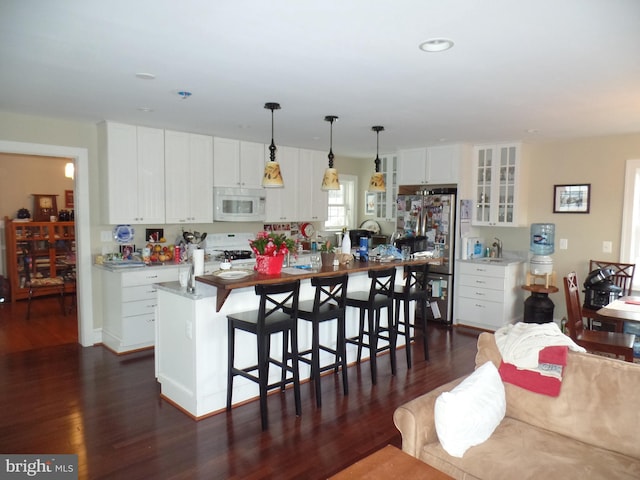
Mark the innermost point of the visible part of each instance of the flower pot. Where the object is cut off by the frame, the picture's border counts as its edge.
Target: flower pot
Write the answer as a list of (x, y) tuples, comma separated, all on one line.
[(327, 259), (269, 264)]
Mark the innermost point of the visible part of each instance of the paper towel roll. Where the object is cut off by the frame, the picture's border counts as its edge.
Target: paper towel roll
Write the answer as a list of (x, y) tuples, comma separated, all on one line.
[(198, 262)]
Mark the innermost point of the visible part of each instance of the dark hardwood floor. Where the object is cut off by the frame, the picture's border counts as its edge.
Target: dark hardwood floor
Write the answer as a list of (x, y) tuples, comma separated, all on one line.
[(58, 397)]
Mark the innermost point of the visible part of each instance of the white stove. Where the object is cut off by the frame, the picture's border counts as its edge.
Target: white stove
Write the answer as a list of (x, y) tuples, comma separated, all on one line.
[(217, 243)]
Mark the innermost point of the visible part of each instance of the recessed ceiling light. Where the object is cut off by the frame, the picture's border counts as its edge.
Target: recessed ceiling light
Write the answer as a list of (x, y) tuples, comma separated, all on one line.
[(533, 130), (145, 109), (436, 45), (145, 76)]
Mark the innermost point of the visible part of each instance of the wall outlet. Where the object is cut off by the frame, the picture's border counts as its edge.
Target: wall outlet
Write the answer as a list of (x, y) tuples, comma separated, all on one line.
[(607, 246), (564, 244)]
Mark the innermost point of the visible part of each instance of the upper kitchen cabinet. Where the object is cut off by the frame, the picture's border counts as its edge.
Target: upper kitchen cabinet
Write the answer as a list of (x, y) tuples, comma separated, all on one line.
[(282, 203), (498, 170), (430, 165), (313, 201), (237, 164), (386, 201), (189, 177), (132, 164)]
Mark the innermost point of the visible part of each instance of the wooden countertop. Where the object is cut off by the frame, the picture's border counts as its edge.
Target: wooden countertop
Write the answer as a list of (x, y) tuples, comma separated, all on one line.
[(225, 286)]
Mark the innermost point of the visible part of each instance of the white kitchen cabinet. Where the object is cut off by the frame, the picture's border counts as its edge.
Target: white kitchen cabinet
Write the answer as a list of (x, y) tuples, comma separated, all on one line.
[(238, 164), (132, 163), (282, 203), (497, 178), (129, 306), (386, 201), (313, 202), (189, 177), (489, 295), (430, 165)]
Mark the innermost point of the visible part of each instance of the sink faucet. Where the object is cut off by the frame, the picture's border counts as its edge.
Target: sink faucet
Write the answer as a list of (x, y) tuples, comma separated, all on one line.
[(497, 245)]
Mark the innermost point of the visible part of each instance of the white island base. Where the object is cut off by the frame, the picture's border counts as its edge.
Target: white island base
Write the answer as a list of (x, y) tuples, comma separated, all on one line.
[(191, 344)]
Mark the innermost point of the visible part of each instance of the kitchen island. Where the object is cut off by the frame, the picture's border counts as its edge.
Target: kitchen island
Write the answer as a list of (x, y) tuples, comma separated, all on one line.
[(191, 332)]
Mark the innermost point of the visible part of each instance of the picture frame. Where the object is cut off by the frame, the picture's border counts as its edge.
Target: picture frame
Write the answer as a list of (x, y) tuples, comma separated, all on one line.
[(154, 235), (68, 199), (369, 203), (572, 198)]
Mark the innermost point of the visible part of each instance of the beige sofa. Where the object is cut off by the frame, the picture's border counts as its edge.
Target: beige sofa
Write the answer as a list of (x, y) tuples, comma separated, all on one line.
[(591, 430)]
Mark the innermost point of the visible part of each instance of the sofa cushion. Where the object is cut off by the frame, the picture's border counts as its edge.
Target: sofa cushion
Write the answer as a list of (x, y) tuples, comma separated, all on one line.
[(468, 414), (596, 404), (518, 450)]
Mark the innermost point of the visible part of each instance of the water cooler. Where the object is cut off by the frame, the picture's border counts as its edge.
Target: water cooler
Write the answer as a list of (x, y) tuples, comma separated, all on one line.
[(538, 308)]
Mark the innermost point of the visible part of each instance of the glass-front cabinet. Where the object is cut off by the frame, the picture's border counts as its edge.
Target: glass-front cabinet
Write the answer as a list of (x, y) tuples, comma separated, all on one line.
[(497, 188), (40, 250), (386, 201)]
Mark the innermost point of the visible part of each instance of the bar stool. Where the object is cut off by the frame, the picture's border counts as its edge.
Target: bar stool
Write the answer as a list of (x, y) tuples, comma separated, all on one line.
[(371, 303), (414, 288), (270, 318), (328, 304)]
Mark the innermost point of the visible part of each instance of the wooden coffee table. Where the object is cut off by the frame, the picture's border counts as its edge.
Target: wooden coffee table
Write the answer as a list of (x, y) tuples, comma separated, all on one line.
[(390, 462)]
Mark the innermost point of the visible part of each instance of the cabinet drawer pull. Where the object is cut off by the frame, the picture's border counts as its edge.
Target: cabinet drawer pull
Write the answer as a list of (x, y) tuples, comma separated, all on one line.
[(480, 294), (480, 306), (481, 282), (152, 276)]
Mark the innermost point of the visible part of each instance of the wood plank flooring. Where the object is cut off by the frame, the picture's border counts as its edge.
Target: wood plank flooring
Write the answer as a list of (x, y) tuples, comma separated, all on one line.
[(106, 408)]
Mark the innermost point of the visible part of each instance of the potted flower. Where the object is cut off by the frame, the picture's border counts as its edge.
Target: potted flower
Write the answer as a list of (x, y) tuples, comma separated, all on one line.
[(327, 254), (270, 250)]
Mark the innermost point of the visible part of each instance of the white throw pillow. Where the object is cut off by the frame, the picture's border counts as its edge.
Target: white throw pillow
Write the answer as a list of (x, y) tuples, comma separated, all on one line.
[(468, 414)]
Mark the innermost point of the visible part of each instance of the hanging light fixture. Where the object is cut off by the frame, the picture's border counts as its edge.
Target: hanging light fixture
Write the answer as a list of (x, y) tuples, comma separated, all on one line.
[(376, 184), (330, 179), (272, 177)]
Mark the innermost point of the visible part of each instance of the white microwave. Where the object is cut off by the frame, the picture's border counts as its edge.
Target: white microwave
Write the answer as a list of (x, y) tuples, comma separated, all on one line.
[(238, 204)]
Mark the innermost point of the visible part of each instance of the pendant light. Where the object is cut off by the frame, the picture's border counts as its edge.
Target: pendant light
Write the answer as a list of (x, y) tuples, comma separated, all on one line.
[(376, 184), (272, 178), (330, 179)]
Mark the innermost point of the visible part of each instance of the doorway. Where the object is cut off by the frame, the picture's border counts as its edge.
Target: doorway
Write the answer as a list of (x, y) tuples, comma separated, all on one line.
[(84, 282)]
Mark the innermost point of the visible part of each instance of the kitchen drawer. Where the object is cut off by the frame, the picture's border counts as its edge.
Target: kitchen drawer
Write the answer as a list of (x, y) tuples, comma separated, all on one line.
[(139, 292), (482, 269), (476, 281), (142, 307), (139, 330), (149, 275), (480, 313), (481, 294)]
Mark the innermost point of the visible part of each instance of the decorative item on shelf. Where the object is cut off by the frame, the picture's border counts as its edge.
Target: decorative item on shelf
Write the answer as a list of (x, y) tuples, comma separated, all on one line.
[(270, 249), (327, 254), (272, 177), (377, 184), (330, 180), (23, 214), (44, 207)]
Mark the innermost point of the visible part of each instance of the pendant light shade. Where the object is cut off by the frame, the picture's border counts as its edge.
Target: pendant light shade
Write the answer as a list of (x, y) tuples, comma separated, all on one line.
[(330, 179), (377, 184), (272, 177)]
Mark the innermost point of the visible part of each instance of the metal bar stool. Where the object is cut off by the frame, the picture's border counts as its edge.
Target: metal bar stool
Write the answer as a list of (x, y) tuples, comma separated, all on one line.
[(328, 304), (371, 303), (270, 318), (414, 288)]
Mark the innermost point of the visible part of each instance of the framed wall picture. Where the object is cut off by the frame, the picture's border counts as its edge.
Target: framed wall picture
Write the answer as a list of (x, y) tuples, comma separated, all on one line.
[(369, 203), (572, 198), (68, 199)]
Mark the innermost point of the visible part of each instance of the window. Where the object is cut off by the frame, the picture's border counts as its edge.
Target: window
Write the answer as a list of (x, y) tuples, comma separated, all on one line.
[(630, 242), (342, 204)]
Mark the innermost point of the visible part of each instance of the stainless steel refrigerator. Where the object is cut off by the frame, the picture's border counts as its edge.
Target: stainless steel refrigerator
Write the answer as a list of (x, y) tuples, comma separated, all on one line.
[(426, 220)]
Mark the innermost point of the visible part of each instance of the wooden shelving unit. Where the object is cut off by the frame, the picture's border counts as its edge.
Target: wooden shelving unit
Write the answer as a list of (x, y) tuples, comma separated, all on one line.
[(48, 249)]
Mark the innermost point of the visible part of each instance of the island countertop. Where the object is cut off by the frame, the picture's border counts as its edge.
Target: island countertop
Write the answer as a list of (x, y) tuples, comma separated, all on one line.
[(252, 278)]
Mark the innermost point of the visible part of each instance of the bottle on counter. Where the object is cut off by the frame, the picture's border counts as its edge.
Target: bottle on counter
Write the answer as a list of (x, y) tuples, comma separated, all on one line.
[(346, 242)]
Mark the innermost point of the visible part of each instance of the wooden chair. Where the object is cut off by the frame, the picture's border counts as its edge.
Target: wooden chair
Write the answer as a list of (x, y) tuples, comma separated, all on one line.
[(51, 284), (592, 340), (622, 277)]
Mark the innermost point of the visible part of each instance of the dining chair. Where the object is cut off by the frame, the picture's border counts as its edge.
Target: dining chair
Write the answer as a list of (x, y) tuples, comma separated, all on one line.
[(55, 284), (328, 304), (414, 289), (592, 340), (277, 313), (370, 305), (622, 277)]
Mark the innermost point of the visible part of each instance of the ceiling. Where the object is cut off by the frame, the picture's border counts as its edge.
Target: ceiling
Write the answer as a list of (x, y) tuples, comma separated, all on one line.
[(535, 70)]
